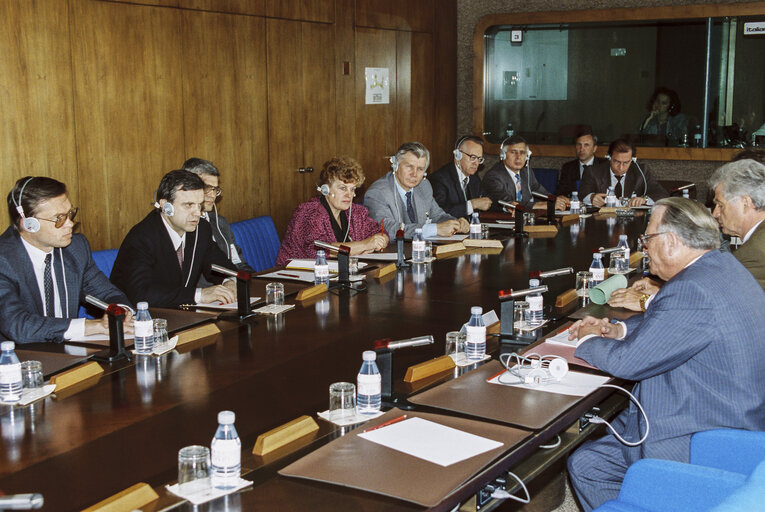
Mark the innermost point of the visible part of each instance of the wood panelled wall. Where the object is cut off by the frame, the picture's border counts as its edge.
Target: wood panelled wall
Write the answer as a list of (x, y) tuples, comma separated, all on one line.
[(108, 96)]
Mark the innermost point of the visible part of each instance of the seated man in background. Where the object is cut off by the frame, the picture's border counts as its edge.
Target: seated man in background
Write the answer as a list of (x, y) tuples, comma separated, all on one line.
[(404, 197), (456, 186), (693, 354), (221, 230), (586, 145), (46, 271), (333, 218), (623, 174), (162, 256)]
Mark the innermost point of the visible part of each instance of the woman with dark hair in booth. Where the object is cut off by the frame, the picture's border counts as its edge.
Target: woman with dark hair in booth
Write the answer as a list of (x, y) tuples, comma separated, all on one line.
[(333, 217), (664, 117)]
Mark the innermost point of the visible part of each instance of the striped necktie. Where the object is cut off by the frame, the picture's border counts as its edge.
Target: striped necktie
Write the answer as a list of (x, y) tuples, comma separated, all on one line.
[(50, 309)]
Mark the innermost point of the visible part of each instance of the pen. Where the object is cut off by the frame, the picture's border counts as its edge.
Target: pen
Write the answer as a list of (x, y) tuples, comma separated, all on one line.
[(383, 227), (386, 423), (287, 275)]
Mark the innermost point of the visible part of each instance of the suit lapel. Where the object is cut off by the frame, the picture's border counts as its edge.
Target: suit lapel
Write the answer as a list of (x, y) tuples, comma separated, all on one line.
[(27, 273)]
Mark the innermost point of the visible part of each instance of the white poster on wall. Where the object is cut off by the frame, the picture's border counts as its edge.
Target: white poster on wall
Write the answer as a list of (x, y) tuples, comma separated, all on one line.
[(378, 86)]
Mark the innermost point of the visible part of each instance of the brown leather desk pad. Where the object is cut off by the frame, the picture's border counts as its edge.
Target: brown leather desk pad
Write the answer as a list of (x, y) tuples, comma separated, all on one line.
[(351, 461), (52, 362)]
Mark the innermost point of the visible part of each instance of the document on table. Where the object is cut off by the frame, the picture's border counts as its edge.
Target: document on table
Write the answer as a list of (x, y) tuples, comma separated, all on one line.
[(499, 225), (572, 384), (292, 275), (430, 441), (218, 305), (379, 256), (562, 339), (306, 264), (454, 238)]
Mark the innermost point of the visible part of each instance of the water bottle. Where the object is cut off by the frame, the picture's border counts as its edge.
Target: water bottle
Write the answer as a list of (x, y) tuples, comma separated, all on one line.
[(610, 197), (625, 248), (10, 373), (597, 269), (686, 194), (368, 385), (475, 227), (143, 330), (321, 269), (418, 247), (509, 130), (575, 205), (536, 304), (225, 453), (475, 340), (697, 136)]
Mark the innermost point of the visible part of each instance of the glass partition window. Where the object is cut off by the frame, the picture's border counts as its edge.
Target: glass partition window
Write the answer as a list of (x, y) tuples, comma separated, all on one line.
[(696, 82)]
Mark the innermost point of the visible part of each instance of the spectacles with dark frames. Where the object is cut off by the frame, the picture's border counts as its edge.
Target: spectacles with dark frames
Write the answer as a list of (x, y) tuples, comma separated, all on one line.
[(60, 219), (473, 158), (210, 188)]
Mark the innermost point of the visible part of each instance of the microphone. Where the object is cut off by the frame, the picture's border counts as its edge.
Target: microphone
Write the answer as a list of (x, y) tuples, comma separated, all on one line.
[(510, 294), (538, 274), (645, 184), (544, 197), (511, 206), (409, 342), (603, 250), (683, 187), (21, 501), (330, 247)]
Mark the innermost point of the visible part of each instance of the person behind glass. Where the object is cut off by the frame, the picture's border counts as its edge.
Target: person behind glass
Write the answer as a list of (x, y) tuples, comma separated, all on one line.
[(221, 230), (664, 117), (511, 179), (624, 174), (456, 186), (405, 197), (333, 217), (586, 144), (161, 258), (46, 270)]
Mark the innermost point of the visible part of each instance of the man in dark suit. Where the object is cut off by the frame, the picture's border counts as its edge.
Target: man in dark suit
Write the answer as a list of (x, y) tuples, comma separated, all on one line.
[(586, 145), (456, 186), (624, 174), (511, 179), (162, 256), (45, 270), (694, 353), (740, 209)]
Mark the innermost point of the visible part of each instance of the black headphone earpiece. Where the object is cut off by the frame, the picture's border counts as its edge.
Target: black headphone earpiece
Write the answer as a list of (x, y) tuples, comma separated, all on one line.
[(30, 224)]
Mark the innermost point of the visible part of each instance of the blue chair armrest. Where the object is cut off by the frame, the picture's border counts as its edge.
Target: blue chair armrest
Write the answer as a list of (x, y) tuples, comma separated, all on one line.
[(729, 449), (749, 496)]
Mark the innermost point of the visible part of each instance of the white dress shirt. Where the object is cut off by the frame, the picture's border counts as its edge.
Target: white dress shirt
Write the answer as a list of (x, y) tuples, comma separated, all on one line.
[(429, 229)]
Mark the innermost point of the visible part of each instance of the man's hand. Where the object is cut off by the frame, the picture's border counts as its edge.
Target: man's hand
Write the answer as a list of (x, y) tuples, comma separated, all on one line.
[(636, 201), (647, 285), (101, 326), (481, 203), (464, 225), (597, 326), (562, 203), (628, 298), (598, 200), (449, 227), (223, 293)]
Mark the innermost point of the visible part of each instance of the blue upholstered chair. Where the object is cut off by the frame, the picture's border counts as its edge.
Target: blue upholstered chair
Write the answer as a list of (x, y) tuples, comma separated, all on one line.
[(726, 474), (104, 260), (259, 241), (548, 178)]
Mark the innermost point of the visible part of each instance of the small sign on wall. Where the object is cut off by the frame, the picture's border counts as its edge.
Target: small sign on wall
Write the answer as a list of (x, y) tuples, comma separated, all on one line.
[(377, 86)]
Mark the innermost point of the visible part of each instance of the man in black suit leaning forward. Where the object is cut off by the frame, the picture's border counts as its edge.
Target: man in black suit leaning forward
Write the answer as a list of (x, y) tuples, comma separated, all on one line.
[(456, 186)]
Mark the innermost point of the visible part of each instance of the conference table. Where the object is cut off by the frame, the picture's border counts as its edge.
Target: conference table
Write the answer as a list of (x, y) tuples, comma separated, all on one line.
[(81, 448)]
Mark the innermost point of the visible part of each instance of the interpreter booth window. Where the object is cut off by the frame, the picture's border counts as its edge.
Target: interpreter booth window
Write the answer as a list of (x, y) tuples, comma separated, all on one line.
[(697, 82)]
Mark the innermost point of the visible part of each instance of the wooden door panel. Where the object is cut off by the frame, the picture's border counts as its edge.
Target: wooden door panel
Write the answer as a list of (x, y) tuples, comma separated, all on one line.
[(305, 10)]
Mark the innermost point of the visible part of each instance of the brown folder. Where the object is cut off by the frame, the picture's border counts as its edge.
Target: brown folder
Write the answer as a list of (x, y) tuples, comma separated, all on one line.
[(471, 394), (602, 311), (352, 461)]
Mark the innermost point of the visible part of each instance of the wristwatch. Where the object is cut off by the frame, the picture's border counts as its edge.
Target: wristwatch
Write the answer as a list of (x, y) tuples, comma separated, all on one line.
[(643, 299)]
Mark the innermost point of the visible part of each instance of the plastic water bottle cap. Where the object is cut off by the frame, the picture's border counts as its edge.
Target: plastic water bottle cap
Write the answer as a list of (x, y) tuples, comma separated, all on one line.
[(143, 305), (476, 310), (7, 345), (369, 355), (320, 252), (226, 417), (533, 283)]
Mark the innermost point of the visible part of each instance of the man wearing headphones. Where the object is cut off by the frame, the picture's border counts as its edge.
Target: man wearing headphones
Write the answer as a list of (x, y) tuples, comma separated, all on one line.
[(221, 230), (456, 186), (405, 197), (162, 256), (46, 271), (624, 174)]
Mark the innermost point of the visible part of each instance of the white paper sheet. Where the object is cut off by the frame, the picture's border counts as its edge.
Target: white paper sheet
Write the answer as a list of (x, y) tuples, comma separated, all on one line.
[(572, 384), (379, 256), (306, 264), (218, 305), (273, 309), (430, 441), (562, 339), (197, 497), (351, 420), (498, 225), (454, 238), (291, 275)]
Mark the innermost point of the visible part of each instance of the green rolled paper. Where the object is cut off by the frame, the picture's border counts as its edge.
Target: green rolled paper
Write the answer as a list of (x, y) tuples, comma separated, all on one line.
[(601, 293)]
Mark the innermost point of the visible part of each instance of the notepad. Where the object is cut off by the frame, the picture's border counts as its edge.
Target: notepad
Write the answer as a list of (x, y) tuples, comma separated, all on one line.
[(218, 305), (573, 384), (306, 264), (430, 441)]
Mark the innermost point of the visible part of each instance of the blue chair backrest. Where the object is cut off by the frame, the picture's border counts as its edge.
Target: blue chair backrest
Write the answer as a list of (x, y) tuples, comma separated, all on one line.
[(548, 178), (104, 260), (259, 241)]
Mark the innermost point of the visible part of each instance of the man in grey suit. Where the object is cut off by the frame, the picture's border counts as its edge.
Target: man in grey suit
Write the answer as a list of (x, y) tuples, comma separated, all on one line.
[(404, 197), (694, 353), (45, 270)]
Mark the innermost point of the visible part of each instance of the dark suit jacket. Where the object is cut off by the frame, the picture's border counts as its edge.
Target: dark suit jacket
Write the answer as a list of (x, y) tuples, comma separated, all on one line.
[(147, 266), (694, 354), (224, 237), (569, 175), (752, 254), (597, 179), (500, 186), (447, 190), (22, 313)]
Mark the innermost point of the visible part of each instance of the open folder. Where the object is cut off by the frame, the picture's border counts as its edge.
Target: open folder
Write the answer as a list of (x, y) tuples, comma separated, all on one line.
[(352, 461)]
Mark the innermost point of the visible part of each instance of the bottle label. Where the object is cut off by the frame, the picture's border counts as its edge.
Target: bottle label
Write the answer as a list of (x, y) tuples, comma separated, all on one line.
[(369, 384), (143, 328), (475, 334), (535, 303), (321, 271), (598, 274), (226, 453), (574, 205), (475, 228), (418, 245), (10, 373)]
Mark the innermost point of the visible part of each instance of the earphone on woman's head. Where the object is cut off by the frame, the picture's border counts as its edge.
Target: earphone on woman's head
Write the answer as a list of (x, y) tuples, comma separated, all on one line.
[(324, 189)]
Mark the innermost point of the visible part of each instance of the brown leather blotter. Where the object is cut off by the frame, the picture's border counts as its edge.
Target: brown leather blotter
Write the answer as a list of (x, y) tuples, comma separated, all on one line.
[(284, 434), (471, 394), (602, 311), (52, 362), (487, 243), (132, 498), (76, 375), (352, 461), (423, 370), (178, 319)]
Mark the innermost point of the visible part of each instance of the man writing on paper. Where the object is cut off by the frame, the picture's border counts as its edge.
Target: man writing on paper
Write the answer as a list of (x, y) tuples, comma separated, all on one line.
[(456, 186), (694, 353), (162, 256), (404, 196), (46, 271)]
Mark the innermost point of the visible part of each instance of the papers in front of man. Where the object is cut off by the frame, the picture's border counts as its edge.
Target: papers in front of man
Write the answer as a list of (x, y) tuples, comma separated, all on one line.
[(572, 384)]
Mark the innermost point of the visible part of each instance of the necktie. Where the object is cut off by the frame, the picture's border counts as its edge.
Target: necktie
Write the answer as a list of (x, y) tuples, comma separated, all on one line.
[(179, 253), (618, 187), (410, 207), (464, 187), (584, 168), (48, 284), (518, 195)]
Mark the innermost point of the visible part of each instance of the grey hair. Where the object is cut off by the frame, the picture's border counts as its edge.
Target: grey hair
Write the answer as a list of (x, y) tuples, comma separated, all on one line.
[(200, 167), (416, 149), (691, 222), (739, 179)]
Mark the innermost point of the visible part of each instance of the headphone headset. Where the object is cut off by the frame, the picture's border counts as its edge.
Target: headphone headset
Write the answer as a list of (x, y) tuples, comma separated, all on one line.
[(324, 189), (534, 369), (30, 224), (457, 152), (393, 162), (503, 152)]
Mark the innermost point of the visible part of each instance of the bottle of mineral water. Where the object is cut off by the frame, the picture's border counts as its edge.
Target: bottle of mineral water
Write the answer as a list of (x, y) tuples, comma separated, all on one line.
[(536, 305), (575, 206), (475, 227), (321, 269), (369, 385), (143, 329), (597, 269), (475, 340), (418, 247), (610, 197), (10, 373), (225, 453)]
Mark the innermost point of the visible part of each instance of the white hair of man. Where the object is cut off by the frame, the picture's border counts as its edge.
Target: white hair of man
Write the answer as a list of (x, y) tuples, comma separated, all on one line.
[(690, 222), (739, 179)]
